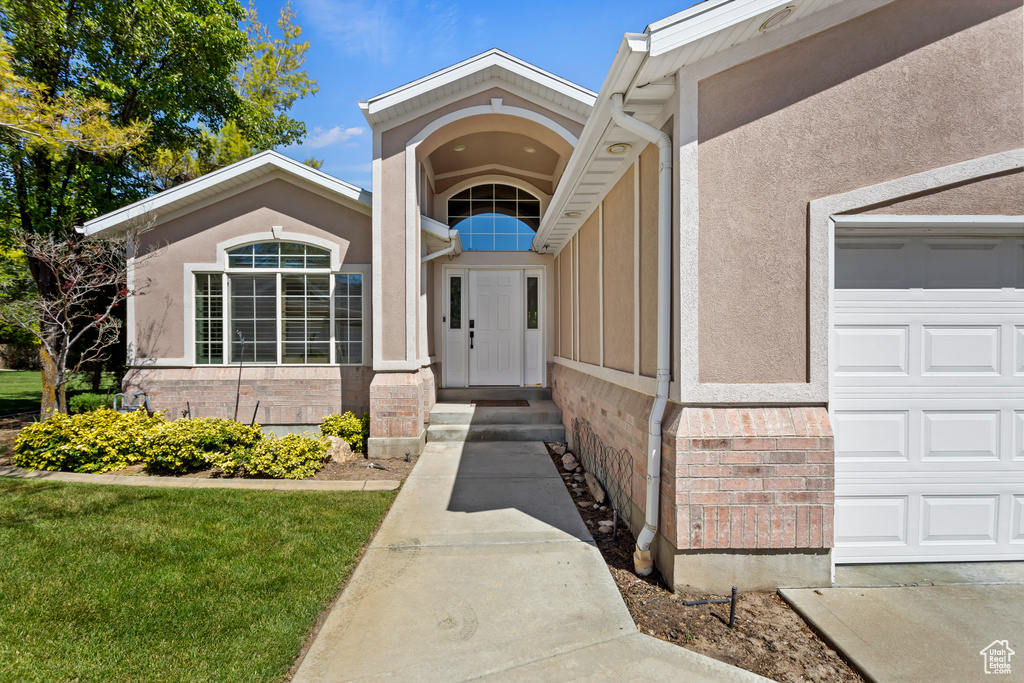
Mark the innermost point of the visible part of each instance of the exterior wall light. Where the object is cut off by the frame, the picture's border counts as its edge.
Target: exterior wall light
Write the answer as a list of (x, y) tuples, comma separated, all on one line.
[(529, 150), (776, 19), (619, 148), (459, 148)]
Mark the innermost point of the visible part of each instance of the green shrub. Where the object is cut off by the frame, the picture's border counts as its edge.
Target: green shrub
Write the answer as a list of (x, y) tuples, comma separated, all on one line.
[(101, 440), (292, 456), (355, 430), (83, 403), (186, 445)]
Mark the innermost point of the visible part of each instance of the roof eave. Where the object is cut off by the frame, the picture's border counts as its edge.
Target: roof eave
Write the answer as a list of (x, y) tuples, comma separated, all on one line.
[(267, 161)]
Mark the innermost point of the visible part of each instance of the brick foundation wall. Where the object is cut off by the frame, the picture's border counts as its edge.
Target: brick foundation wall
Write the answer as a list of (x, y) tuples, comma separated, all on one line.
[(738, 478), (287, 395), (396, 405), (616, 414), (752, 477)]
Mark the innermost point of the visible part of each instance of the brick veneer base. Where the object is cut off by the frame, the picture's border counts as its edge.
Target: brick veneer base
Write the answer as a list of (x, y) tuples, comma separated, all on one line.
[(287, 395), (732, 478)]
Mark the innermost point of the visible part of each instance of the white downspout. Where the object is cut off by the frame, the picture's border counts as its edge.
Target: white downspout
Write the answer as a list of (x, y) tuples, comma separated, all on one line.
[(643, 562)]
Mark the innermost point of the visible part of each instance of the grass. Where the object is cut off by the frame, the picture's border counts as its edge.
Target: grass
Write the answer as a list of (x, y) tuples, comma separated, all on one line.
[(21, 391), (136, 583)]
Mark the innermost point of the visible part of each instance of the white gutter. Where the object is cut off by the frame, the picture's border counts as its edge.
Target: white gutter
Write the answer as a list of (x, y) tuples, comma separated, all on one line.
[(643, 562), (447, 250), (443, 233)]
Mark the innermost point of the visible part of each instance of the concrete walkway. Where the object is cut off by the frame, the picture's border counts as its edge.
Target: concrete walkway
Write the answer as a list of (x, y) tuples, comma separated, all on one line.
[(917, 622), (484, 569), (199, 483)]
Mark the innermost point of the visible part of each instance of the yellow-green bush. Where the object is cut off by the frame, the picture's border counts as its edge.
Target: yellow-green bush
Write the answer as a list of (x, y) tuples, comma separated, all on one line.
[(187, 445), (291, 456), (355, 430), (96, 441)]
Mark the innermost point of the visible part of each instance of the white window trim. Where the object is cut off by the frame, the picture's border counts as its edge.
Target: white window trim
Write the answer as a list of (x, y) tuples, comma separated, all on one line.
[(221, 267)]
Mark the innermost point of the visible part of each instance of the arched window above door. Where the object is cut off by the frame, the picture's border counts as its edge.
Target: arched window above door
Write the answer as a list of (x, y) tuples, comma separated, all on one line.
[(494, 217)]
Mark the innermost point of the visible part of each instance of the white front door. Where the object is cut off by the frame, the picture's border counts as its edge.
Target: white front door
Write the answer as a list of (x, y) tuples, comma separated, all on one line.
[(495, 327), (928, 398)]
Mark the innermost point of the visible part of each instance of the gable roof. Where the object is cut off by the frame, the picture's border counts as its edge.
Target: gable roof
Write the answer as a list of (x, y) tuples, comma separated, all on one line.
[(490, 65), (269, 163)]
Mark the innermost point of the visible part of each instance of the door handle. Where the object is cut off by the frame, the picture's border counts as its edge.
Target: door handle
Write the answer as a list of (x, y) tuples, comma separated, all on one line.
[(470, 340)]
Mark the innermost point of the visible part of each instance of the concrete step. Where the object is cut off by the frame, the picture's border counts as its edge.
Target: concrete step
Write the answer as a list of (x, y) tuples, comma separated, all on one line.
[(538, 412), (496, 432), (494, 393)]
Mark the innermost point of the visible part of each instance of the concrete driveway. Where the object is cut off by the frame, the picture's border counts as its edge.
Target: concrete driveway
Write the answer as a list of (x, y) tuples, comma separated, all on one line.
[(923, 622)]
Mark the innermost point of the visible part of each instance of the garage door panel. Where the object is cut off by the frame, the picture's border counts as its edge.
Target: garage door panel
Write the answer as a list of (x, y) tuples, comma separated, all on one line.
[(863, 349), (959, 520), (872, 520), (871, 435), (959, 265), (1017, 520), (962, 349), (1017, 435), (928, 399), (1018, 350), (959, 435)]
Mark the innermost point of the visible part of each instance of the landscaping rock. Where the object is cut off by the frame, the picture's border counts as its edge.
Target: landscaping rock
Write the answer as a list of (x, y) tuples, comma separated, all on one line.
[(605, 522), (569, 462), (604, 529), (596, 490), (584, 503), (558, 449), (340, 450)]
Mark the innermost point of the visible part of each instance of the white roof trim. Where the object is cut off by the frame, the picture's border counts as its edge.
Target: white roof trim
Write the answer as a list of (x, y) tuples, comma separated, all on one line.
[(255, 166), (377, 108), (704, 19)]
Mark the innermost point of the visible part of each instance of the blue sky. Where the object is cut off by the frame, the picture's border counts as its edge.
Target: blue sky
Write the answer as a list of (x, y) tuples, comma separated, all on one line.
[(361, 49)]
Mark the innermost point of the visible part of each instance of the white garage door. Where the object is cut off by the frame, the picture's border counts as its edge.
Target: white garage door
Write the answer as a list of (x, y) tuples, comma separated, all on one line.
[(927, 403)]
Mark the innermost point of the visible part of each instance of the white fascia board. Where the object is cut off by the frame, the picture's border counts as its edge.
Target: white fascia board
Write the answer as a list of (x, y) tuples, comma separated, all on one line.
[(628, 60), (264, 162), (703, 20), (376, 108), (905, 221)]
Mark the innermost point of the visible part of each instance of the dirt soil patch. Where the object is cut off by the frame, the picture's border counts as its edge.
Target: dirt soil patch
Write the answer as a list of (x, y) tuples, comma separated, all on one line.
[(770, 639)]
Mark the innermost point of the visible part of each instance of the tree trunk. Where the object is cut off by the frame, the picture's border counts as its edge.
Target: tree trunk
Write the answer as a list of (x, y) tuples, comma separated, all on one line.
[(50, 403)]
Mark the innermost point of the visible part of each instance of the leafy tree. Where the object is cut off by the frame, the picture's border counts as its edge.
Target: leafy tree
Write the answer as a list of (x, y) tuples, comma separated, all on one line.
[(90, 277), (102, 73), (268, 80)]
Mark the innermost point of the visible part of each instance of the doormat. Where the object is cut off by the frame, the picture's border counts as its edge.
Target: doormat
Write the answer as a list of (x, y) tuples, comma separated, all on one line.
[(511, 403)]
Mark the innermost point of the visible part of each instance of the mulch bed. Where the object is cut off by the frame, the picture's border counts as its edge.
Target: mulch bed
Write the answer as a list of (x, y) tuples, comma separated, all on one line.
[(770, 639)]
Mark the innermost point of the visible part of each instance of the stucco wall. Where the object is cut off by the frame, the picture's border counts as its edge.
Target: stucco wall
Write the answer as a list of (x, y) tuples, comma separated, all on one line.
[(193, 238), (648, 200), (392, 185), (911, 86), (589, 283), (998, 195), (619, 281)]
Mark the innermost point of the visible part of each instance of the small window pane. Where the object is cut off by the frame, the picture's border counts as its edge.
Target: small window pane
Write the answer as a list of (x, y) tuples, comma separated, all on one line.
[(279, 255), (532, 317), (491, 210), (209, 319), (348, 318), (455, 303)]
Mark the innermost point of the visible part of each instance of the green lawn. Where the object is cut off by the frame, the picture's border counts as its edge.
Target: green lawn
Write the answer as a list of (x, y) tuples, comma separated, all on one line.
[(22, 390), (137, 583)]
